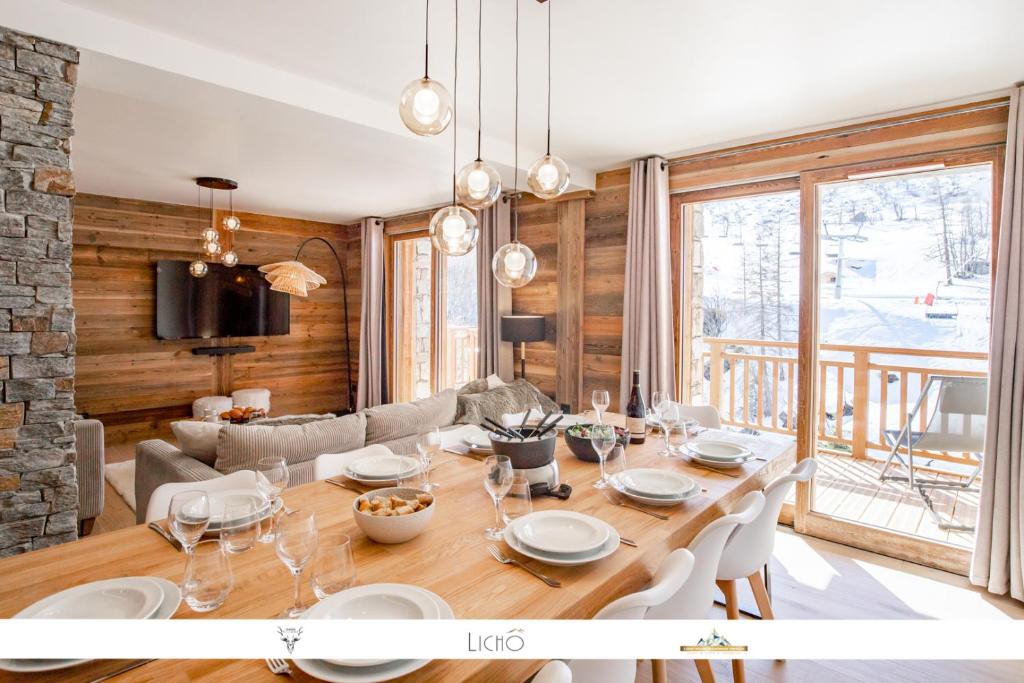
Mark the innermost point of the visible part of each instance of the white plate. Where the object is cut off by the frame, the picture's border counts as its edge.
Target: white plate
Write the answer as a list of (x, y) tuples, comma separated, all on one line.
[(219, 498), (725, 451), (656, 483), (719, 464), (657, 502), (168, 606), (382, 467), (561, 532), (564, 559), (129, 598), (335, 673)]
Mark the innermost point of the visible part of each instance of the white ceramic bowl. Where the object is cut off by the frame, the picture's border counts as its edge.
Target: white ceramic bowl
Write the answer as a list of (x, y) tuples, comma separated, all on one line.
[(393, 529)]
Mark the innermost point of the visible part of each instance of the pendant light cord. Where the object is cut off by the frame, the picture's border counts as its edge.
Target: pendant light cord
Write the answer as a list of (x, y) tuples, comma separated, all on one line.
[(479, 75), (455, 110), (515, 144), (549, 75), (426, 43)]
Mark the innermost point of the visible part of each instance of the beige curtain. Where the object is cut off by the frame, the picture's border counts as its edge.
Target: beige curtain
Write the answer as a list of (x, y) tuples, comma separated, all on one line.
[(493, 299), (648, 344), (998, 562), (372, 386)]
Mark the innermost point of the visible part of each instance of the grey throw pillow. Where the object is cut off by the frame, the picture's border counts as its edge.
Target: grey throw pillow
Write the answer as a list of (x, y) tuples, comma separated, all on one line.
[(473, 386), (396, 420), (239, 447), (514, 397)]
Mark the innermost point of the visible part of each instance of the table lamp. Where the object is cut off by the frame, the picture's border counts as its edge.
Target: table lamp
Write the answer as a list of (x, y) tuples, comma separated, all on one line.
[(520, 329)]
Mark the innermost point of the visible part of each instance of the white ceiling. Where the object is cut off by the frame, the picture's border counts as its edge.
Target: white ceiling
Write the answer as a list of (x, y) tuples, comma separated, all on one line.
[(297, 100)]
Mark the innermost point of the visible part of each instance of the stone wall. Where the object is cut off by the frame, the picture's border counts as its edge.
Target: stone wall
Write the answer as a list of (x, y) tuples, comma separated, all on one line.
[(38, 487)]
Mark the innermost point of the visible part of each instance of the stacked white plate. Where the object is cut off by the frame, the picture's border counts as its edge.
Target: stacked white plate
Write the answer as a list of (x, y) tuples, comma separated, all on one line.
[(376, 601), (478, 442), (133, 597), (655, 487), (562, 537), (381, 469), (218, 500), (714, 453)]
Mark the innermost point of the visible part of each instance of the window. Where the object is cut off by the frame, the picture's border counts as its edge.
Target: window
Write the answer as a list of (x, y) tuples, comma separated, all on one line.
[(433, 324)]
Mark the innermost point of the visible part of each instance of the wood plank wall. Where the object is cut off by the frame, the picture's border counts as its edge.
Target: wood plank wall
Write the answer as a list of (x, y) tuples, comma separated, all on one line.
[(136, 384)]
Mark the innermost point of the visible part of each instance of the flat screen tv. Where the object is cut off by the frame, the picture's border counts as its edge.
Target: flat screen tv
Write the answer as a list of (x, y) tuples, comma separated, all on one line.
[(228, 302)]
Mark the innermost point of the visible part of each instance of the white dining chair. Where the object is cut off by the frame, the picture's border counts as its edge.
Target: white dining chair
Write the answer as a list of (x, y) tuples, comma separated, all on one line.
[(332, 464), (706, 416), (670, 577), (161, 498), (555, 671), (697, 595)]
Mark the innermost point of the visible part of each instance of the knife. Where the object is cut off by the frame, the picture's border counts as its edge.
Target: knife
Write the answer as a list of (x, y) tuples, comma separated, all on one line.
[(155, 526), (123, 669)]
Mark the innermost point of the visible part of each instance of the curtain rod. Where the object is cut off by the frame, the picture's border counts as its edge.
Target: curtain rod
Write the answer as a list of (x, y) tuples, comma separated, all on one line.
[(867, 127)]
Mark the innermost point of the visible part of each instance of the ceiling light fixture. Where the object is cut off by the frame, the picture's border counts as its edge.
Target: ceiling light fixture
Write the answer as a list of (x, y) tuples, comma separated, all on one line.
[(425, 105), (453, 229), (478, 185), (514, 264), (212, 244), (549, 175)]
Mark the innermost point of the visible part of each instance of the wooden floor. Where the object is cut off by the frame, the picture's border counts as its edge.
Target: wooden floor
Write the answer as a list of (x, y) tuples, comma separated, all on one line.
[(815, 579), (849, 488)]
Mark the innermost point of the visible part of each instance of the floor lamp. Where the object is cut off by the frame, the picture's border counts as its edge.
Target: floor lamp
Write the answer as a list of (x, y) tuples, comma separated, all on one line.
[(520, 329)]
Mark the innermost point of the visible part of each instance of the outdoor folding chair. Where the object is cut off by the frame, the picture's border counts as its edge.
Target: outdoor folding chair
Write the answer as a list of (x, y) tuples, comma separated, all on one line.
[(956, 424)]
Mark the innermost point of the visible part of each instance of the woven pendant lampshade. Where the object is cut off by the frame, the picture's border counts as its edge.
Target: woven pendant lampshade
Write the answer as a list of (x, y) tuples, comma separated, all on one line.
[(292, 277)]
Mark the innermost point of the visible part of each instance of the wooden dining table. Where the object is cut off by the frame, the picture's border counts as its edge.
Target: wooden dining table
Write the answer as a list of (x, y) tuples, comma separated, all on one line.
[(449, 558)]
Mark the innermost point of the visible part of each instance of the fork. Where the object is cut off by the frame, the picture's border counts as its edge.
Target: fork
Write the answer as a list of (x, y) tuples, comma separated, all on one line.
[(278, 667), (505, 559), (614, 501)]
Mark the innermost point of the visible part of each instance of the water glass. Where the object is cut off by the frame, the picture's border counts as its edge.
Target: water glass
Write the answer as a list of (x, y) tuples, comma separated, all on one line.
[(240, 525), (517, 502), (675, 440), (497, 481), (208, 578), (428, 445), (601, 400), (295, 540), (334, 567), (188, 516), (602, 438), (271, 479), (616, 462)]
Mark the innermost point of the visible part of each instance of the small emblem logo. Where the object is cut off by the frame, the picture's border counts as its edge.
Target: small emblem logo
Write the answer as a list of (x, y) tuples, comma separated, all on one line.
[(713, 643), (290, 636)]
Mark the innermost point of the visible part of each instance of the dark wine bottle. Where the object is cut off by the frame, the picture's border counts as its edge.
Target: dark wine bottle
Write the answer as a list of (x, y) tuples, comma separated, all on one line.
[(636, 412)]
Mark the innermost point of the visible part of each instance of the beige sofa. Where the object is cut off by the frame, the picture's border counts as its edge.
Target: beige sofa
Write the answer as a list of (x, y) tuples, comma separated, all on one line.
[(238, 447)]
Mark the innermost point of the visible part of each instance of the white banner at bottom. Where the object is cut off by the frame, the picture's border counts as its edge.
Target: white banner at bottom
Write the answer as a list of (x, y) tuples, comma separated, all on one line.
[(510, 639)]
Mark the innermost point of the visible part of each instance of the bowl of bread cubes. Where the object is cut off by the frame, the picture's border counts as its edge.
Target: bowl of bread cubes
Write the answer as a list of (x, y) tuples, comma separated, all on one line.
[(393, 515)]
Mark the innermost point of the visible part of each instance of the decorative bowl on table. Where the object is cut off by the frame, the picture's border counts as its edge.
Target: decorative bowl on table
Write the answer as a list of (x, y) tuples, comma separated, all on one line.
[(528, 453), (394, 515), (577, 437), (240, 415)]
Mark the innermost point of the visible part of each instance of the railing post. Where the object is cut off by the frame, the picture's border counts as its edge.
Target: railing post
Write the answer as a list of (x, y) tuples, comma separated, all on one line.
[(861, 394), (716, 376)]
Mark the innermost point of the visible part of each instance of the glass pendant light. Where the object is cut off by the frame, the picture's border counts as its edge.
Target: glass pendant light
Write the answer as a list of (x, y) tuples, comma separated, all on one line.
[(514, 264), (229, 258), (548, 176), (209, 235), (453, 229), (425, 105), (231, 222), (197, 268), (211, 248), (478, 185)]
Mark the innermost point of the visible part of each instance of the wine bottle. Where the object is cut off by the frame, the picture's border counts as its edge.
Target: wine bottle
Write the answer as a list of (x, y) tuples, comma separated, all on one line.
[(636, 412)]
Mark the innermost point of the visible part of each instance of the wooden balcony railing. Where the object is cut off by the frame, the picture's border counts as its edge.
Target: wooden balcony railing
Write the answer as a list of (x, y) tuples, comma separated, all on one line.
[(864, 390), (458, 364)]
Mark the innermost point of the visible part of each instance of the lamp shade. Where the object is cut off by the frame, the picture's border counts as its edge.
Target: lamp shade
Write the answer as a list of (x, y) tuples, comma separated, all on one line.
[(292, 277), (522, 328)]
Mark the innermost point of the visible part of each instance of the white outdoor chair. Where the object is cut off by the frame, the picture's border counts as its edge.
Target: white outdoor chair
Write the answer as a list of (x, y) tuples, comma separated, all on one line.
[(750, 546), (670, 577), (554, 671), (956, 425), (706, 416), (697, 595), (332, 464), (161, 498)]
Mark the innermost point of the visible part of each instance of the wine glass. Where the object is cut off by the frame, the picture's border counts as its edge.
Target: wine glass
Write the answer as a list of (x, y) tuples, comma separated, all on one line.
[(334, 567), (601, 400), (295, 541), (188, 516), (240, 525), (428, 445), (602, 438), (517, 502), (271, 479), (208, 578), (497, 481)]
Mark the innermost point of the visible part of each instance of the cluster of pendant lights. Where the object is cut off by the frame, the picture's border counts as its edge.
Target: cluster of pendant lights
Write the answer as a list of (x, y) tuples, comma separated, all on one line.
[(427, 108), (213, 247)]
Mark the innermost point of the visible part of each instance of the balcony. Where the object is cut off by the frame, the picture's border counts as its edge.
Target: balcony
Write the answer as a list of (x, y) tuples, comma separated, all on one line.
[(458, 358), (865, 392)]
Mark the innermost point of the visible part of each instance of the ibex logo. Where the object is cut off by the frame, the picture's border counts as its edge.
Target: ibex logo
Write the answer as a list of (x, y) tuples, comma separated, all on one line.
[(290, 636), (510, 641)]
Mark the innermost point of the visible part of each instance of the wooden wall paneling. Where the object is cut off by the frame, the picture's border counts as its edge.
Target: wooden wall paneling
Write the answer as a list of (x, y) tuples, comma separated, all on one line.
[(569, 327)]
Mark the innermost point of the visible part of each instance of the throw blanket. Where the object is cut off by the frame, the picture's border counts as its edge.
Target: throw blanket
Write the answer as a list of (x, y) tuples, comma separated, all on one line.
[(515, 397)]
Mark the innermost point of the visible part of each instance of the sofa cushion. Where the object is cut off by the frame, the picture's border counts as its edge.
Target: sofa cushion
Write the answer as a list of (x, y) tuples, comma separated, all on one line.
[(474, 386), (396, 420), (239, 447), (197, 439), (515, 397)]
